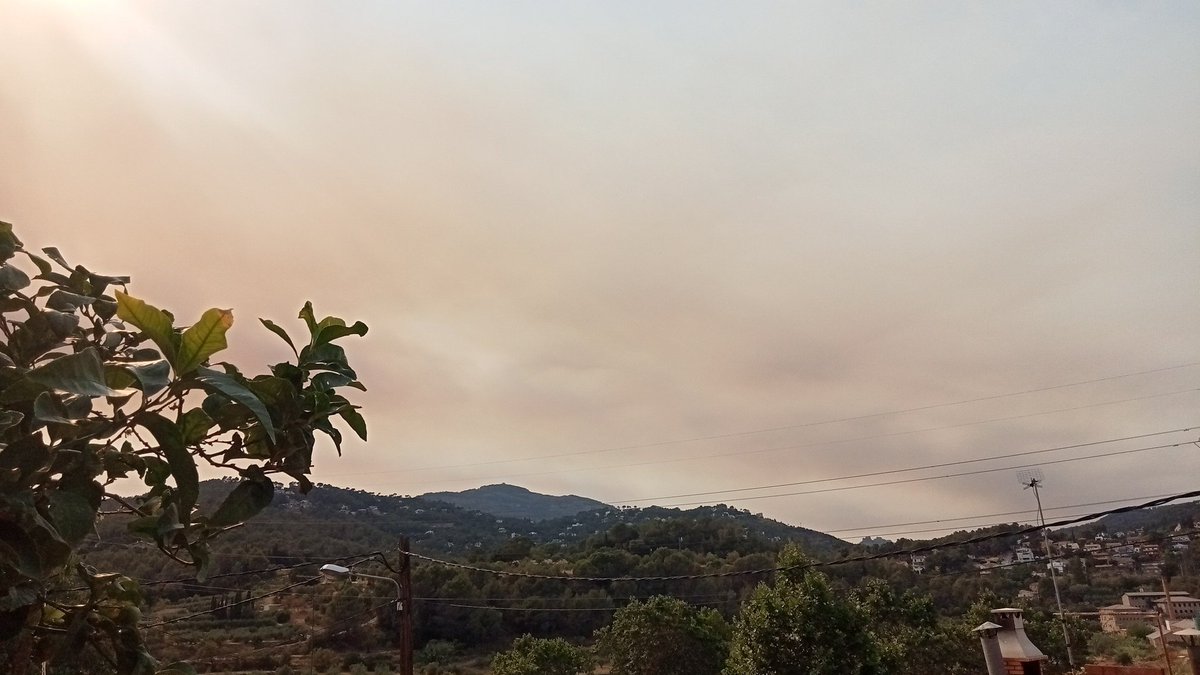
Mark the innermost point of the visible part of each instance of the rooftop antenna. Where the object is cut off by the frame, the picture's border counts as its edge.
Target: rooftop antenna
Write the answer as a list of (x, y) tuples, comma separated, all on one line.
[(1032, 478)]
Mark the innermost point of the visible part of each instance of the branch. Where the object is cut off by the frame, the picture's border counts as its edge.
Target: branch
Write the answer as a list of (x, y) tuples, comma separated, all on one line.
[(171, 554), (121, 500)]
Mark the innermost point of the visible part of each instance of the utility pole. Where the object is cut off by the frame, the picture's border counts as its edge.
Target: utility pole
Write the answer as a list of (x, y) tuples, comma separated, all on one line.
[(1032, 478), (1162, 640), (406, 608)]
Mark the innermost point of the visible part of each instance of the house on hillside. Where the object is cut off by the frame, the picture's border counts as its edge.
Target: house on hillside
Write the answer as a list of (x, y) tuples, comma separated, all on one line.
[(1184, 606), (1118, 618), (1145, 607), (1145, 600)]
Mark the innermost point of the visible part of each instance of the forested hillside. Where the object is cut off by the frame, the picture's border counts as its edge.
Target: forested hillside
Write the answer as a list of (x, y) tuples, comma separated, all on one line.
[(512, 501), (480, 581)]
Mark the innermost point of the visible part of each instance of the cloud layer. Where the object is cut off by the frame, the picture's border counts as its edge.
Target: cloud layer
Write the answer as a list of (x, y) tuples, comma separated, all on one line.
[(577, 229)]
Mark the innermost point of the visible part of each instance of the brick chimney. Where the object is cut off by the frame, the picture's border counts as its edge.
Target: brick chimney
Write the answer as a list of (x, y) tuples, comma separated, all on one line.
[(1021, 657)]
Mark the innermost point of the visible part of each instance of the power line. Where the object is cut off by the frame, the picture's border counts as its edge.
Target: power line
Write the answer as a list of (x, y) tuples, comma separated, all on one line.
[(797, 446), (532, 609), (232, 604), (911, 468), (817, 564), (278, 591), (803, 425), (261, 570), (990, 515), (960, 474), (1060, 556), (327, 630)]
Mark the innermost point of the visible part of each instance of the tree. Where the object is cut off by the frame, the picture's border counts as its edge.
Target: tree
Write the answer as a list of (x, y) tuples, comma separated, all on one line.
[(535, 656), (96, 386), (664, 636), (904, 627), (800, 626), (1042, 627)]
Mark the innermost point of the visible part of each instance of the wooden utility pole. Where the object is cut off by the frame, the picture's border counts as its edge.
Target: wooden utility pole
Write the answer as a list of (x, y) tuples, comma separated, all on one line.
[(406, 609), (1162, 639)]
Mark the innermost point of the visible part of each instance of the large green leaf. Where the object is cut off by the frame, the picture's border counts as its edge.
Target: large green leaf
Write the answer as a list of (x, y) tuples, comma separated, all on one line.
[(153, 375), (35, 544), (156, 471), (19, 596), (276, 329), (204, 339), (155, 323), (183, 466), (120, 379), (244, 502), (8, 241), (306, 313), (73, 512), (61, 324), (215, 380), (67, 301), (47, 408), (331, 328), (194, 425), (19, 552), (12, 278), (355, 420), (42, 264), (52, 253), (81, 374), (9, 419)]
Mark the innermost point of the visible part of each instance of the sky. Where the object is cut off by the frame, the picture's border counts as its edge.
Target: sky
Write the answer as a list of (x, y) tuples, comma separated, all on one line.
[(634, 250)]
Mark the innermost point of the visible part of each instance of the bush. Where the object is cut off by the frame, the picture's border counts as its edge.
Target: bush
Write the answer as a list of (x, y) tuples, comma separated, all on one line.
[(533, 656), (438, 652), (664, 636), (322, 658), (1139, 630)]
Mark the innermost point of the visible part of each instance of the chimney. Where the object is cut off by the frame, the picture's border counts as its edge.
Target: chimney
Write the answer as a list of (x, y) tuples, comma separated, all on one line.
[(1021, 657)]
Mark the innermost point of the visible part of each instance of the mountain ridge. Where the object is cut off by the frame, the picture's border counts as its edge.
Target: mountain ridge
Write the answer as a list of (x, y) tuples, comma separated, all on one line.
[(513, 501)]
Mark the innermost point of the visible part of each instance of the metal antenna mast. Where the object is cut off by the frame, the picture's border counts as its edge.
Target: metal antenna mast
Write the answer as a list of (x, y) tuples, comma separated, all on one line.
[(1032, 478)]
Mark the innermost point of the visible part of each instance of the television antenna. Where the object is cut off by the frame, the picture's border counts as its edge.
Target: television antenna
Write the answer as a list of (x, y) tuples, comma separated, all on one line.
[(1032, 478)]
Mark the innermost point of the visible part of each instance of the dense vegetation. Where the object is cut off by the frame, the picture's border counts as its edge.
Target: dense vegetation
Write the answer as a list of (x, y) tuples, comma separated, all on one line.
[(908, 620)]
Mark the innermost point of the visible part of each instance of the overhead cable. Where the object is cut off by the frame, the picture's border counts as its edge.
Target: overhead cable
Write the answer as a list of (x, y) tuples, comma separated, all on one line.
[(886, 472), (818, 564), (795, 446), (843, 488), (802, 425)]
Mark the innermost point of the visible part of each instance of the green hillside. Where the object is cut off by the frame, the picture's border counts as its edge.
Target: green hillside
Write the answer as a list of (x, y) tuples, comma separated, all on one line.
[(512, 501)]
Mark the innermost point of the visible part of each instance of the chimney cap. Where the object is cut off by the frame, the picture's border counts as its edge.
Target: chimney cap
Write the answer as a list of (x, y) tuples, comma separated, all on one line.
[(986, 625)]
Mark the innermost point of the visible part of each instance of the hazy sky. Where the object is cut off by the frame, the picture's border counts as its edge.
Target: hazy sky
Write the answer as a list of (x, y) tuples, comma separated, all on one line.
[(632, 250)]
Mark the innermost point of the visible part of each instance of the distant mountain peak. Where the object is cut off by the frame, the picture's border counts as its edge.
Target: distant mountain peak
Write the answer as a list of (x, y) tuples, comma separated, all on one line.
[(513, 501)]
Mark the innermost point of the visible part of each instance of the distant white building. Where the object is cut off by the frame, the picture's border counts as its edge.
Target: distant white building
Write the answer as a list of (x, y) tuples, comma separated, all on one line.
[(1024, 554)]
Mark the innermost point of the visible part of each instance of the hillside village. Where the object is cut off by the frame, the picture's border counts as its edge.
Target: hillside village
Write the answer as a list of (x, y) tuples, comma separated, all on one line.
[(1110, 581)]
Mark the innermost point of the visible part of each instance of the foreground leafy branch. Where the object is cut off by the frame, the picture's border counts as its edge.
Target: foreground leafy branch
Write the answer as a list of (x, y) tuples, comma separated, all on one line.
[(98, 386)]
